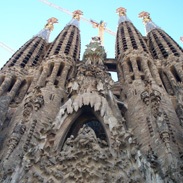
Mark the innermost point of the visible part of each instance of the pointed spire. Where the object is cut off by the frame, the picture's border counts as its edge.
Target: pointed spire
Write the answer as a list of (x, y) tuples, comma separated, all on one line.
[(45, 33), (149, 24), (122, 15), (76, 18)]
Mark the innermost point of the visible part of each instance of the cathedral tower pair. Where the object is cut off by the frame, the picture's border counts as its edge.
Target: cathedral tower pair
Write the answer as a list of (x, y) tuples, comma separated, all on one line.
[(65, 120)]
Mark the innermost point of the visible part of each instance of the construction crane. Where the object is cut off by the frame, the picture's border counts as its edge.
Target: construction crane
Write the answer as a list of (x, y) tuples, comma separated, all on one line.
[(7, 47), (101, 26)]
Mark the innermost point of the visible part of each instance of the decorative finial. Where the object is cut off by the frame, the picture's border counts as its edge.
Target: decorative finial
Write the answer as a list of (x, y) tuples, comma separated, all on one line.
[(121, 11), (149, 24), (145, 16), (51, 22), (76, 18), (77, 14), (45, 33), (122, 15)]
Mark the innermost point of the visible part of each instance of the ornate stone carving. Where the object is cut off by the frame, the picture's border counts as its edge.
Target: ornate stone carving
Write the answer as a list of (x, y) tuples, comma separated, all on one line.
[(145, 97), (153, 97), (163, 129), (30, 134), (85, 158), (179, 111), (153, 159), (150, 126), (18, 131), (34, 101)]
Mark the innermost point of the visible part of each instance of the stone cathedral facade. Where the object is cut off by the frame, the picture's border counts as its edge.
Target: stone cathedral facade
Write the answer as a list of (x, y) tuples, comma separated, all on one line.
[(64, 120)]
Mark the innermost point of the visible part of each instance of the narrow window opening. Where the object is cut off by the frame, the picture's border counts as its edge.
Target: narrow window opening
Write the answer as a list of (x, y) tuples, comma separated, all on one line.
[(60, 69), (166, 83), (56, 82), (142, 77), (50, 69), (162, 49), (175, 74), (130, 66), (139, 65), (62, 101), (13, 80), (133, 77)]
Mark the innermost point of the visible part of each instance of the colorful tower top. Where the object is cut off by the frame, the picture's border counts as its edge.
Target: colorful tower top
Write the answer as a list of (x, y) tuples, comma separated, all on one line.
[(149, 24), (45, 33), (122, 15), (76, 18)]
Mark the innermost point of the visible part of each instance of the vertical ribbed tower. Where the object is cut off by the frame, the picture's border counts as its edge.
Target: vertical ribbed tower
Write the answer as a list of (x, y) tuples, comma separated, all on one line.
[(168, 56), (18, 73), (136, 71), (151, 113)]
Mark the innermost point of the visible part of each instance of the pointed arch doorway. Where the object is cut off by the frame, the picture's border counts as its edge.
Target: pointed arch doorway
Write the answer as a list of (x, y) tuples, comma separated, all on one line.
[(86, 117)]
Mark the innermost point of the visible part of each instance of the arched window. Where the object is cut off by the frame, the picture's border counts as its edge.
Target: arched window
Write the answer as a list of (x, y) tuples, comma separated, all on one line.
[(87, 118)]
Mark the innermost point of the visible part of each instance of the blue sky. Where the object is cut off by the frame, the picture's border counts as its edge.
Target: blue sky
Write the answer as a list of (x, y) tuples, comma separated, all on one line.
[(20, 20)]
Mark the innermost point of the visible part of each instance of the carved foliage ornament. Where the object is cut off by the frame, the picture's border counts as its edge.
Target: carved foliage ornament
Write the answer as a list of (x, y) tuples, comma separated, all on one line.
[(18, 132), (84, 158), (34, 101)]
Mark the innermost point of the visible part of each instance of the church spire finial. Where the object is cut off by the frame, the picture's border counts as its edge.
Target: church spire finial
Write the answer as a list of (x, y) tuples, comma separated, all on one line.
[(149, 24), (45, 33), (122, 15), (76, 18)]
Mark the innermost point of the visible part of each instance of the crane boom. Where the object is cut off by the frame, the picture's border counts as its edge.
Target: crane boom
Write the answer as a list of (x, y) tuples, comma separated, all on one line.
[(6, 47), (56, 7), (62, 9), (100, 27)]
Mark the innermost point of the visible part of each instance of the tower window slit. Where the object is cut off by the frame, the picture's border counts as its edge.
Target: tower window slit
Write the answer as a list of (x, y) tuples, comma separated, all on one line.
[(139, 65), (175, 74), (67, 49), (61, 38), (166, 83), (22, 65), (163, 51), (134, 44), (13, 80), (130, 66), (51, 66), (56, 82), (169, 44), (141, 40), (60, 69), (123, 39), (151, 46)]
